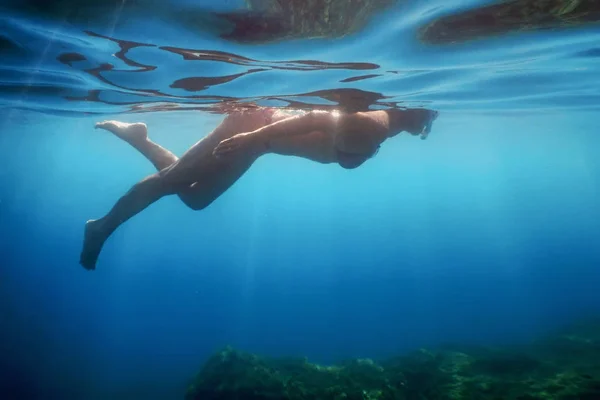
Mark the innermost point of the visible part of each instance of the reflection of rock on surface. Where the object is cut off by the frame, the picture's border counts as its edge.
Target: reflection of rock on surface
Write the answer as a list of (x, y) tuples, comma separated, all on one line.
[(510, 16), (295, 19)]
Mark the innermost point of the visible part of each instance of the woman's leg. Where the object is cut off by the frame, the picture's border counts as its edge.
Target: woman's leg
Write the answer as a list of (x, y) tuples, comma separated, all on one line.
[(197, 177), (136, 135), (140, 196)]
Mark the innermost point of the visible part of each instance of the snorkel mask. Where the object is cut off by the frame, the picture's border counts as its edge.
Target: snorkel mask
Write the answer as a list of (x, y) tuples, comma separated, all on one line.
[(428, 123)]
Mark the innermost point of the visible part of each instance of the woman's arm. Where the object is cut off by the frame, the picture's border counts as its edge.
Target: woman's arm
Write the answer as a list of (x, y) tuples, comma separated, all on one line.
[(259, 140)]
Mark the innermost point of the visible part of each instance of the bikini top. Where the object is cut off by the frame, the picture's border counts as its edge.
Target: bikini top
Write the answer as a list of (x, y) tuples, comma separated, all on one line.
[(353, 160)]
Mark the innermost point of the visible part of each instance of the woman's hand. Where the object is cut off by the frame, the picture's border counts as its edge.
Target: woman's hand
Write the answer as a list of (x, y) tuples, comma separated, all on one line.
[(235, 145)]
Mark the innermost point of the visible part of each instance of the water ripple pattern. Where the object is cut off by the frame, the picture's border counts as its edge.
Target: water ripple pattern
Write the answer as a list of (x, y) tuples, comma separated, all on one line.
[(106, 57)]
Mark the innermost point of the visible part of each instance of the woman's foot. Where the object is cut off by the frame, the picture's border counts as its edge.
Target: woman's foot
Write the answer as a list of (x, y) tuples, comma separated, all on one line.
[(131, 133), (93, 240)]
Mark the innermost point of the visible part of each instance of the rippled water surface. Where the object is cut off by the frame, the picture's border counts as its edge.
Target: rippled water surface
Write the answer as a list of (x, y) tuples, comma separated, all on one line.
[(76, 56)]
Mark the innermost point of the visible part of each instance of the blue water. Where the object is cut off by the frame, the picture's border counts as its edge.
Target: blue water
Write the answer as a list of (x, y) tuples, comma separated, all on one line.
[(487, 232)]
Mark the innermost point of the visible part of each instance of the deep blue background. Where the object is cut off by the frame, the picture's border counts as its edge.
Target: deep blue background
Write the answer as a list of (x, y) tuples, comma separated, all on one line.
[(486, 233)]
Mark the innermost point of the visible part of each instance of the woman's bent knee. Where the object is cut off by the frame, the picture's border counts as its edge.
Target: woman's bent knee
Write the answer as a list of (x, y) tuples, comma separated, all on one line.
[(193, 203), (193, 198)]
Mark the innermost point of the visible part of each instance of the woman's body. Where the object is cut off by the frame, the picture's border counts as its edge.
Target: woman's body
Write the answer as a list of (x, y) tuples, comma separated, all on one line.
[(217, 161)]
